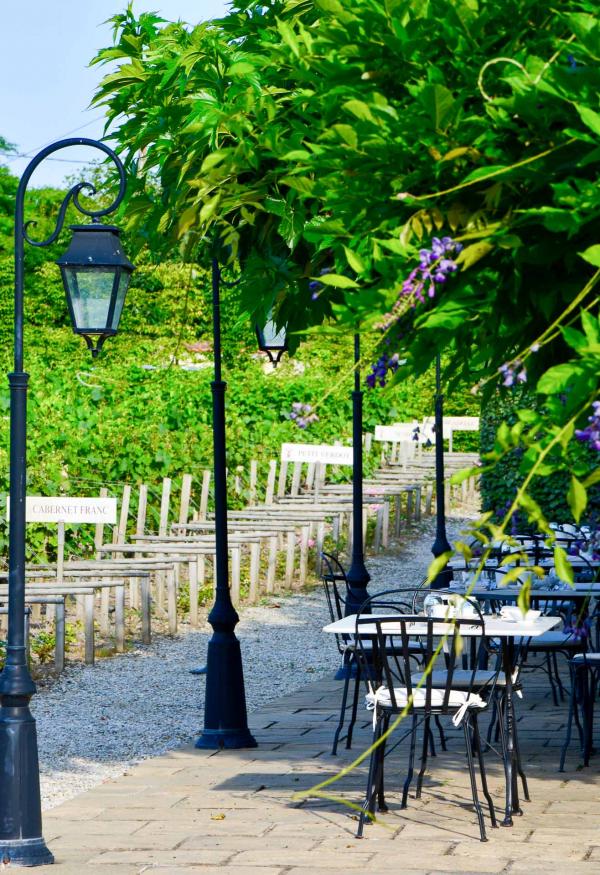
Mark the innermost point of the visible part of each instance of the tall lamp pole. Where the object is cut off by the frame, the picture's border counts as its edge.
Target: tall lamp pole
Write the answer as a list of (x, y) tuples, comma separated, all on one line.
[(225, 716), (96, 276), (440, 545), (358, 577)]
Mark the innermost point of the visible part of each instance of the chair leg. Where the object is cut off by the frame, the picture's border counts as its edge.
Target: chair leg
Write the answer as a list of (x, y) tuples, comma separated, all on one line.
[(572, 708), (368, 805), (588, 712), (471, 765), (354, 709), (342, 715), (484, 784), (421, 775), (431, 743), (493, 719), (380, 780), (559, 683), (441, 733), (411, 762), (551, 679), (576, 703)]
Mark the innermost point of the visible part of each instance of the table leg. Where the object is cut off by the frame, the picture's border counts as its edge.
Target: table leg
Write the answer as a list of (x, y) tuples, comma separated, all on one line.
[(510, 771)]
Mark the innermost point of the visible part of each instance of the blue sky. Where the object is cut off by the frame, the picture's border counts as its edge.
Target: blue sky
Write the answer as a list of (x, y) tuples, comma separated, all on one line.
[(45, 83)]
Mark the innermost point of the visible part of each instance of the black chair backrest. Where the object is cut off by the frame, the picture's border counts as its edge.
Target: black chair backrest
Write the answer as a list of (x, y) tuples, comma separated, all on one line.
[(384, 648), (335, 585)]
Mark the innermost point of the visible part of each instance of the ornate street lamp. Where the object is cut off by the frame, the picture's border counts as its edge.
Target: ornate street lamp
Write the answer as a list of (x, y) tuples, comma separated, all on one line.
[(225, 714), (95, 306), (96, 275), (272, 340)]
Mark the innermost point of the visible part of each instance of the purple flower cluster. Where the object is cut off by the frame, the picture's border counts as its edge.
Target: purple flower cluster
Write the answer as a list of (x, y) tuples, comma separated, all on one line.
[(380, 369), (515, 371), (591, 433), (302, 414), (580, 632), (435, 265)]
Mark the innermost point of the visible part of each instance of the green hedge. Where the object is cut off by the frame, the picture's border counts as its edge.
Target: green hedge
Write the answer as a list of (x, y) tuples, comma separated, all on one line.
[(499, 486)]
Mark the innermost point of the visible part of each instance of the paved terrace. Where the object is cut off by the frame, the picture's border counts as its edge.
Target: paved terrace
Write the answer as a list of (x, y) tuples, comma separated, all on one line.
[(232, 812)]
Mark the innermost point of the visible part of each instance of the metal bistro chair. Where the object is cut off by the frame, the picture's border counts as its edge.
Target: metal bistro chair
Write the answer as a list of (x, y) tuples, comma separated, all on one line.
[(585, 675), (392, 689), (337, 588), (335, 584)]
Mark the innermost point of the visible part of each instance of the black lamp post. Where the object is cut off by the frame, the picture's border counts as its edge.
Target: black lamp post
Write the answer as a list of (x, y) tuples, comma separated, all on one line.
[(225, 716), (358, 577), (440, 545), (96, 275)]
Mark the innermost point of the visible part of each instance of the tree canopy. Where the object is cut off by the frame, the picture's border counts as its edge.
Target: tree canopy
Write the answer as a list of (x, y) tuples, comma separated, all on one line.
[(332, 148)]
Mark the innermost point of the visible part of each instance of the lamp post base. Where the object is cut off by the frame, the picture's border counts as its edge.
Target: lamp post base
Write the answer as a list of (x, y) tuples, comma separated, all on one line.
[(225, 739), (225, 716), (21, 842), (26, 852), (347, 670)]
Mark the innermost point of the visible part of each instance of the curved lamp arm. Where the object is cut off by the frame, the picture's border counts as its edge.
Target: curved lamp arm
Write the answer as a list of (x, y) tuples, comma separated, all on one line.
[(21, 227)]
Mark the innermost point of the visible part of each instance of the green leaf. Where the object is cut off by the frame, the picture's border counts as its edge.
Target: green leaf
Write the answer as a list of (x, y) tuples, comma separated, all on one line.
[(590, 118), (574, 338), (302, 184), (439, 103), (558, 378), (337, 281), (348, 134), (592, 478), (577, 498), (288, 36), (482, 172), (355, 260), (330, 6), (360, 109), (592, 255), (523, 599), (591, 326), (459, 476), (241, 69), (564, 569), (438, 564), (470, 255)]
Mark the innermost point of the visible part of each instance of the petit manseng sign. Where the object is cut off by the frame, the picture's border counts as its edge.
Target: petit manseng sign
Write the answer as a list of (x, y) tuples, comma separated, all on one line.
[(323, 453), (64, 509)]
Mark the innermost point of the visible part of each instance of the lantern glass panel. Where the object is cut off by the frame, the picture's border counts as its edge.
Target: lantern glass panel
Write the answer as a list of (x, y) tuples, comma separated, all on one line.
[(120, 299), (91, 293), (273, 339)]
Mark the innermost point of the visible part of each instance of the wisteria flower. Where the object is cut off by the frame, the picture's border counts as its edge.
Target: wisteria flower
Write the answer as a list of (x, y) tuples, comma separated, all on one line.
[(302, 414), (591, 433), (379, 370), (435, 265), (513, 372)]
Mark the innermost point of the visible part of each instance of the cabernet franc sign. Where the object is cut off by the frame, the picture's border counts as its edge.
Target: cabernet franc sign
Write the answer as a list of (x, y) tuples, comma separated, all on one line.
[(42, 509)]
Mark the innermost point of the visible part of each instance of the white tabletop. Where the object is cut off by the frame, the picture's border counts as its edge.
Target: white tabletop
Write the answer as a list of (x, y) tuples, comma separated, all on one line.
[(480, 591), (494, 627)]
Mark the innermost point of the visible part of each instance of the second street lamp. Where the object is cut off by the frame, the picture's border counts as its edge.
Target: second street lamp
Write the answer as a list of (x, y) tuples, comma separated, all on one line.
[(225, 715), (358, 576), (21, 839), (440, 544)]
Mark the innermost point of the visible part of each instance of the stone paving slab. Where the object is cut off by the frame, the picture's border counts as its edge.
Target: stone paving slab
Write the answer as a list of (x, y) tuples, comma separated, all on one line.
[(234, 812)]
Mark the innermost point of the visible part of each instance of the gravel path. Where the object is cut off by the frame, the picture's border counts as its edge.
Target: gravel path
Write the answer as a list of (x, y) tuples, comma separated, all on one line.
[(95, 721)]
